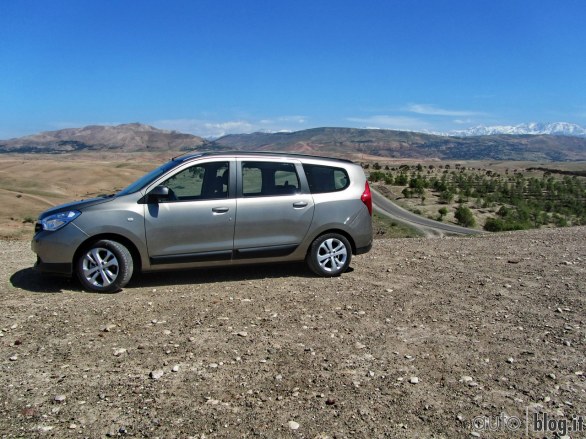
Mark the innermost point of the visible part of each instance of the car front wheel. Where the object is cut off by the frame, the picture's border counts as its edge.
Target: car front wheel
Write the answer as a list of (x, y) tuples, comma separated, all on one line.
[(329, 255), (104, 267)]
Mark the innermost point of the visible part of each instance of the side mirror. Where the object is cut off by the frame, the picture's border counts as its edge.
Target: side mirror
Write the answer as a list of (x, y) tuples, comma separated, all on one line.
[(158, 193)]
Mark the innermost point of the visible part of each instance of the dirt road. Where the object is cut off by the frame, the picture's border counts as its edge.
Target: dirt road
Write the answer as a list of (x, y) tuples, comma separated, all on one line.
[(419, 339)]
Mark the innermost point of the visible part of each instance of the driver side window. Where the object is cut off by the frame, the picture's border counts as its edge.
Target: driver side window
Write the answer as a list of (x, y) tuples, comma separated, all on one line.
[(206, 181)]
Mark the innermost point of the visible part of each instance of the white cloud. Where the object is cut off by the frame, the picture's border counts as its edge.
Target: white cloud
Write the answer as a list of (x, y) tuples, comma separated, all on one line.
[(432, 110), (207, 128)]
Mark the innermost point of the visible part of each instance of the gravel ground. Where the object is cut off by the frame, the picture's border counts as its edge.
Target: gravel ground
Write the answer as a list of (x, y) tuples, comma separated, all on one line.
[(417, 340)]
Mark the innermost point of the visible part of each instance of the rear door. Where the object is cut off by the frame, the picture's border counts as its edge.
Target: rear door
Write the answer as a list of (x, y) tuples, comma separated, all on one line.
[(196, 222), (275, 208)]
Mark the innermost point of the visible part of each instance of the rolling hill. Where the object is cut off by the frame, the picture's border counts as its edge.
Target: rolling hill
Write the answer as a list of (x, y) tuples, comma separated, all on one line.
[(121, 138)]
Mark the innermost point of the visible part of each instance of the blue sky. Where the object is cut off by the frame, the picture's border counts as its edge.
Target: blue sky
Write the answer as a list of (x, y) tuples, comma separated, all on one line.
[(212, 67)]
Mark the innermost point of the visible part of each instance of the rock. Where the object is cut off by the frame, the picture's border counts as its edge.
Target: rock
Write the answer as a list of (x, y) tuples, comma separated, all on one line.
[(119, 351), (552, 376), (156, 374), (72, 426), (108, 327), (293, 425), (13, 358), (510, 360), (59, 398), (242, 334), (414, 380), (167, 332), (175, 368), (359, 345), (330, 401)]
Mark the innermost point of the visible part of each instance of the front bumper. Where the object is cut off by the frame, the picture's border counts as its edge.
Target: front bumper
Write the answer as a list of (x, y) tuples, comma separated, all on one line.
[(56, 250), (62, 268)]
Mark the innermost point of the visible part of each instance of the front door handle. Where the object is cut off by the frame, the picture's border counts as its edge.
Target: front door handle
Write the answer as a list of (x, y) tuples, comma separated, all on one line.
[(300, 204), (220, 209)]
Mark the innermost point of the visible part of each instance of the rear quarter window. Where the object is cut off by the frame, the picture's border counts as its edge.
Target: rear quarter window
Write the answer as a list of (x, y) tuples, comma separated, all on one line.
[(322, 179)]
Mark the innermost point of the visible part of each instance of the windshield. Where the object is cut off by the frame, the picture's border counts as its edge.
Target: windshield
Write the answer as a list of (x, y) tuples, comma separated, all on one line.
[(148, 178)]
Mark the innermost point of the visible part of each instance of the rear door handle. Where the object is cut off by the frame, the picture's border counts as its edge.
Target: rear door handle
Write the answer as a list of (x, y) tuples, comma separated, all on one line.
[(300, 204), (220, 209)]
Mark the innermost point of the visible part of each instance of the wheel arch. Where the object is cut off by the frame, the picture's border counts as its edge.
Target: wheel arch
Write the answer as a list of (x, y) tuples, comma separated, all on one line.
[(136, 258), (338, 231)]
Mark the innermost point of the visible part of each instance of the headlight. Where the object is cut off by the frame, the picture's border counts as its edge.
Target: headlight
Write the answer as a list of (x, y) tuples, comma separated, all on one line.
[(59, 220)]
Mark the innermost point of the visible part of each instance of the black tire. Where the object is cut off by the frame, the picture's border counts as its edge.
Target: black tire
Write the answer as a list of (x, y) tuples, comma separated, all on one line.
[(104, 267), (329, 255)]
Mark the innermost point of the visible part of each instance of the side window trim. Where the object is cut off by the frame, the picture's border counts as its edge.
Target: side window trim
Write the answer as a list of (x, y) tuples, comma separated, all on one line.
[(308, 168), (231, 180), (298, 168)]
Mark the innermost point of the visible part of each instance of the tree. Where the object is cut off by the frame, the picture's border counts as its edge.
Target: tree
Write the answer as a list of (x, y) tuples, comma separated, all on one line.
[(446, 197), (465, 217), (443, 211), (401, 179)]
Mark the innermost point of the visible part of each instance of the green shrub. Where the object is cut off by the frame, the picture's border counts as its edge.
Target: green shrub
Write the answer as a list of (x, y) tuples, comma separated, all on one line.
[(465, 217)]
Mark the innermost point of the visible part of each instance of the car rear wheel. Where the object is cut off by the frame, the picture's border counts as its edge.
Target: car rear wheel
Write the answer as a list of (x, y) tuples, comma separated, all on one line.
[(329, 255), (105, 267)]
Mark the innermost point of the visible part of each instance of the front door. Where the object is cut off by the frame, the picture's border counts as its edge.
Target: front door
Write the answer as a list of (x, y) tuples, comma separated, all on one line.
[(196, 221)]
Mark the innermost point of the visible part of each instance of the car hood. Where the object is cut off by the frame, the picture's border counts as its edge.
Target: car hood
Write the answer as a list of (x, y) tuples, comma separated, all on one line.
[(76, 205)]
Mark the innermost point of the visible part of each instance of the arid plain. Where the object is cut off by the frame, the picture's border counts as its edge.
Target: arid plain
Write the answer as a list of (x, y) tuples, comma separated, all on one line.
[(420, 339)]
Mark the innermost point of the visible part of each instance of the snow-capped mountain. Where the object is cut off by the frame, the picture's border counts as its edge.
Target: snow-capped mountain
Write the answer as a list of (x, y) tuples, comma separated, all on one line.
[(554, 129)]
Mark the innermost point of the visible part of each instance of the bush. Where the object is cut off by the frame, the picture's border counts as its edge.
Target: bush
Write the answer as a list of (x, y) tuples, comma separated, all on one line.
[(401, 179), (499, 225), (465, 217), (446, 197)]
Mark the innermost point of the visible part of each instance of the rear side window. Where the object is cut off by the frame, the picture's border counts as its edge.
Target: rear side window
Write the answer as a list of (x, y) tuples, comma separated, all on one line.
[(323, 179), (263, 179)]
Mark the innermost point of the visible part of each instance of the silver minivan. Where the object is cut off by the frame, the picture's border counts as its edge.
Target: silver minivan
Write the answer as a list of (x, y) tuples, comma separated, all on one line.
[(213, 209)]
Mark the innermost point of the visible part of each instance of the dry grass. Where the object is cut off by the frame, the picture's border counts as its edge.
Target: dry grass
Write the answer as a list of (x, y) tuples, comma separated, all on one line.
[(31, 184)]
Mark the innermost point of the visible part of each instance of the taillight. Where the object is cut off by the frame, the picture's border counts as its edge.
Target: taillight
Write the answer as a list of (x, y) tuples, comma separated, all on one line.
[(367, 198)]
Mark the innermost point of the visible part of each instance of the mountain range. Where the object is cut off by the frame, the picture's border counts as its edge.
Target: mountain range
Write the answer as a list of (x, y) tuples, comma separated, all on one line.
[(534, 128), (342, 142)]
